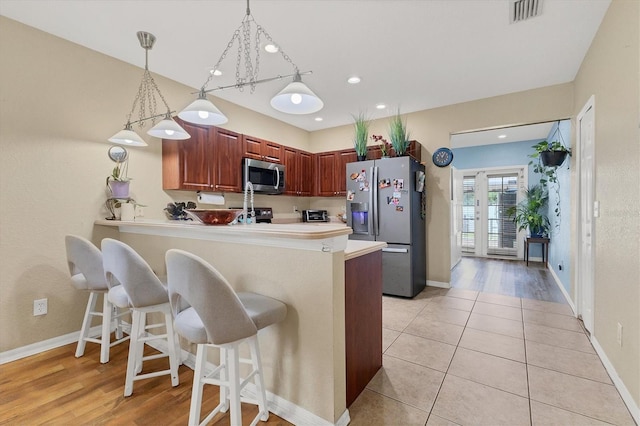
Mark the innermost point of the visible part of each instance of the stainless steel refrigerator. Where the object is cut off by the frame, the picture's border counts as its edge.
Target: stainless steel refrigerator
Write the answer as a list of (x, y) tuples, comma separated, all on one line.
[(385, 202)]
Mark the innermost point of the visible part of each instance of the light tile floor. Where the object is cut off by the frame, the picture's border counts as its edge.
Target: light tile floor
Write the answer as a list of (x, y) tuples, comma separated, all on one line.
[(459, 357)]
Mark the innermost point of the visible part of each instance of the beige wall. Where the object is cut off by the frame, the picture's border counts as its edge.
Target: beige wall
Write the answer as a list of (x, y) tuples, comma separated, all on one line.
[(432, 128), (59, 102), (610, 73)]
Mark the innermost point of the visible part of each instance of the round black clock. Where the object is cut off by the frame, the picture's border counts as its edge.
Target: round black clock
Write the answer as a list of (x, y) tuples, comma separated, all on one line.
[(442, 157)]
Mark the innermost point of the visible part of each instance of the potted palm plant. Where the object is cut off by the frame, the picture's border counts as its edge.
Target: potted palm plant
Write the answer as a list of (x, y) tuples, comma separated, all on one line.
[(398, 135), (361, 135), (530, 213)]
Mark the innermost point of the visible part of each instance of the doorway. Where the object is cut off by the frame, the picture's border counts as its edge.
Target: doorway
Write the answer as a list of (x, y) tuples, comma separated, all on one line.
[(487, 194)]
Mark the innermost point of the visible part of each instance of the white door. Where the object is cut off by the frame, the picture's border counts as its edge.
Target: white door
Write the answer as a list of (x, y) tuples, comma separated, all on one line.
[(584, 270), (486, 195)]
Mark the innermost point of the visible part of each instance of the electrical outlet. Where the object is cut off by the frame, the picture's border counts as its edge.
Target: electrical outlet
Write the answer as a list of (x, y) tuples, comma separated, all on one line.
[(619, 335), (39, 307), (139, 211), (295, 209)]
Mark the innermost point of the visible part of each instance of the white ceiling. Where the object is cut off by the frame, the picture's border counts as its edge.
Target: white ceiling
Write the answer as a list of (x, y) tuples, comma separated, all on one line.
[(410, 54)]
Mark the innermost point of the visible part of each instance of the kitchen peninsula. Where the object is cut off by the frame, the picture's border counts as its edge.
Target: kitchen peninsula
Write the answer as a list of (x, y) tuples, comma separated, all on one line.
[(302, 265)]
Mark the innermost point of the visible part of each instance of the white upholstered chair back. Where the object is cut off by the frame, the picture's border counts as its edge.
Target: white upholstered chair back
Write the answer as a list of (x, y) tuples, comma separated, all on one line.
[(195, 283), (85, 264), (124, 266)]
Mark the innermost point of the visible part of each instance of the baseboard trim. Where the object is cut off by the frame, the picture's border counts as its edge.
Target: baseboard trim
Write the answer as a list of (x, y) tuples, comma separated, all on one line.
[(618, 383), (277, 405), (45, 345), (439, 284), (564, 291)]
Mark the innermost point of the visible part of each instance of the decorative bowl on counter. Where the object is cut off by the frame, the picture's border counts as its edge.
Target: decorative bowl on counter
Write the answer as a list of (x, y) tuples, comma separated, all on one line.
[(215, 217)]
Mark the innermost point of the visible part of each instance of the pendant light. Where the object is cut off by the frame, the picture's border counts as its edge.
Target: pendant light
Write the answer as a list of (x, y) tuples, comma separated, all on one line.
[(167, 128), (295, 98)]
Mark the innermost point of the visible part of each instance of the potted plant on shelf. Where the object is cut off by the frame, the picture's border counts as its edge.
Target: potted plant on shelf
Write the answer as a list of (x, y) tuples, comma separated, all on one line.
[(361, 135), (530, 213), (118, 181), (398, 135)]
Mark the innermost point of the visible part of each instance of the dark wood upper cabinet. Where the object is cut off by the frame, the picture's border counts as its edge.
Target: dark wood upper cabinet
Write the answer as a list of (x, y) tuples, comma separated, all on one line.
[(331, 179), (299, 176), (211, 160), (261, 149)]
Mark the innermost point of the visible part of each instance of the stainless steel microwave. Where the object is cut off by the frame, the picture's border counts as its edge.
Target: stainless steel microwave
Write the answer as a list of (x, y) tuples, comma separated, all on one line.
[(267, 178)]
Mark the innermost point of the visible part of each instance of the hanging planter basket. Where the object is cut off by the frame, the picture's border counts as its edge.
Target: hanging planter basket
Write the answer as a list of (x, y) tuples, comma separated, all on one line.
[(553, 158)]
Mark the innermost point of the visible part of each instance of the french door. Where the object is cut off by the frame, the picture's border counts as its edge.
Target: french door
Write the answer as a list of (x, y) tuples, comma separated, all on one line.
[(487, 230)]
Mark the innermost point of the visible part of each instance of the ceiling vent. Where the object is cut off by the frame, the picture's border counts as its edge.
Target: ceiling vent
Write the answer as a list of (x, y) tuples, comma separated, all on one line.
[(519, 10)]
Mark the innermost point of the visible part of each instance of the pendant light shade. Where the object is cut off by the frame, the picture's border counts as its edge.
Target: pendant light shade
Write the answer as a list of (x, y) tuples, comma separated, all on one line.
[(127, 137), (202, 111), (168, 129), (297, 98)]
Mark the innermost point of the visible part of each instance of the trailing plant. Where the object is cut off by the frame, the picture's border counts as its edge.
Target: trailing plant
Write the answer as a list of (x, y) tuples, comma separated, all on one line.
[(398, 135), (548, 174), (361, 134), (530, 212)]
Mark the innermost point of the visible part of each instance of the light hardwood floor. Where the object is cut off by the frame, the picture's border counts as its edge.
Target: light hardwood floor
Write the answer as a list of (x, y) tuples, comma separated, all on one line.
[(56, 388), (507, 277)]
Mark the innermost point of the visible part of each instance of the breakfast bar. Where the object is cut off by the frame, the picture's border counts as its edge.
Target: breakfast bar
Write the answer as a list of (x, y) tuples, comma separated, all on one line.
[(303, 265)]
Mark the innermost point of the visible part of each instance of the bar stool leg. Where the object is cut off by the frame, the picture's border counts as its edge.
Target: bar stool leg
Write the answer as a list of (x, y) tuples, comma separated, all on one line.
[(132, 361), (173, 355), (105, 343), (224, 390), (198, 385), (234, 385), (86, 324), (261, 394)]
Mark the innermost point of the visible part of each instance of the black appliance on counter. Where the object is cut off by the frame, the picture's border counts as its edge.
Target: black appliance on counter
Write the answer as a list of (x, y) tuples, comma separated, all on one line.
[(315, 216), (263, 214)]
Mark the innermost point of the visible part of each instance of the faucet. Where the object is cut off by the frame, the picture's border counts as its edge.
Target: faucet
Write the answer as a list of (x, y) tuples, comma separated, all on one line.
[(248, 187)]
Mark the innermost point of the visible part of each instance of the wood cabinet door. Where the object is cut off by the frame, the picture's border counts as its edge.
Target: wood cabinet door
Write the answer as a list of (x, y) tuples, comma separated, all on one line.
[(290, 161), (227, 160), (344, 157), (252, 147), (194, 153), (261, 149), (272, 152), (326, 166), (305, 173)]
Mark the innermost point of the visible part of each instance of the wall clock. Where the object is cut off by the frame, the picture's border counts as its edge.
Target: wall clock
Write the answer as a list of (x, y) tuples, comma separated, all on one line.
[(442, 157)]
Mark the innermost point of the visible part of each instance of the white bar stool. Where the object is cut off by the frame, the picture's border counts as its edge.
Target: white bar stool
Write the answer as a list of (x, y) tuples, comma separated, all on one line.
[(133, 284), (208, 312), (85, 266)]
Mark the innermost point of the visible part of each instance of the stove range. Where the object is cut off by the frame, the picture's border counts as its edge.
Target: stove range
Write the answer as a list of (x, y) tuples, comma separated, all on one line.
[(263, 214)]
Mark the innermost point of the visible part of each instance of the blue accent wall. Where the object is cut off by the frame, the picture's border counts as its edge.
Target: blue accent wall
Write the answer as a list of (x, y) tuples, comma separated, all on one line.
[(560, 246)]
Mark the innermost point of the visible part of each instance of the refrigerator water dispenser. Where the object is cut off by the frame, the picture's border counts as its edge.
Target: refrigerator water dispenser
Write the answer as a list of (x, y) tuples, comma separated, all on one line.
[(360, 218)]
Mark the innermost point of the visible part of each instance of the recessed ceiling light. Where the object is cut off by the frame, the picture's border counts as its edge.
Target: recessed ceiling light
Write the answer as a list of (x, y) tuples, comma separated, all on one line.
[(353, 80), (502, 136), (215, 72), (318, 118), (381, 106), (271, 48)]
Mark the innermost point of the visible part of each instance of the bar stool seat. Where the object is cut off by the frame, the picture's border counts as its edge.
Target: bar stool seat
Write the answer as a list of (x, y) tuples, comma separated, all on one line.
[(85, 266), (133, 284), (209, 313)]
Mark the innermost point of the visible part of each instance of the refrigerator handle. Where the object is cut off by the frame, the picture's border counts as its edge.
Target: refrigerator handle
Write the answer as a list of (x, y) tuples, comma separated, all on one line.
[(371, 202), (395, 250), (374, 190)]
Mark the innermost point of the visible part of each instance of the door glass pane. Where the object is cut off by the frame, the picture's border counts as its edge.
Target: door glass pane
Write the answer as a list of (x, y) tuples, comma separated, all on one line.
[(468, 214), (501, 231)]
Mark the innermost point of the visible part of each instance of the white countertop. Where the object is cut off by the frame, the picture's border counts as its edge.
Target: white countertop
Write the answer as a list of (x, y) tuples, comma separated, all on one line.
[(326, 237)]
